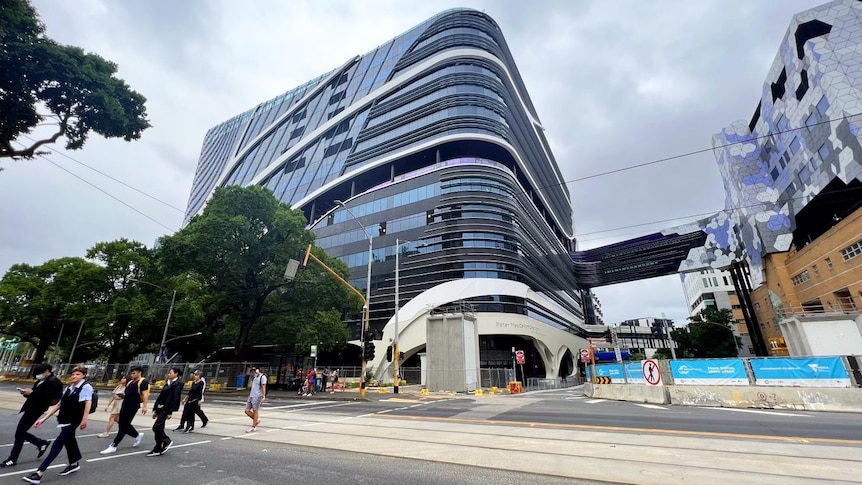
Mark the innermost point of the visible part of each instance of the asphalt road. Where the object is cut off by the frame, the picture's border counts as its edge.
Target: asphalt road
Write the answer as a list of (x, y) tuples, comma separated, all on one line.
[(571, 408), (208, 460)]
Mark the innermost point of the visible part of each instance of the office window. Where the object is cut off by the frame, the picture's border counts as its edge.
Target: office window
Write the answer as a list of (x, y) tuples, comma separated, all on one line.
[(829, 263), (811, 122), (774, 174), (816, 271), (823, 151), (801, 278), (822, 106), (795, 145), (852, 251)]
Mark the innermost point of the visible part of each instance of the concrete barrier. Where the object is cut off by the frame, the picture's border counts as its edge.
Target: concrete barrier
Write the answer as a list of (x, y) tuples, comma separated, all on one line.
[(792, 398), (628, 392)]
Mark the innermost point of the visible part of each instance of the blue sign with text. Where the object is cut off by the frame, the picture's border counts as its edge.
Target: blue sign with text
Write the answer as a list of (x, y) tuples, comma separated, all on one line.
[(712, 372), (800, 372), (634, 374)]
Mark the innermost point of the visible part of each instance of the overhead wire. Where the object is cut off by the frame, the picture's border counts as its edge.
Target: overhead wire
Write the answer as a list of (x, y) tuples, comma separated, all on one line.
[(579, 179)]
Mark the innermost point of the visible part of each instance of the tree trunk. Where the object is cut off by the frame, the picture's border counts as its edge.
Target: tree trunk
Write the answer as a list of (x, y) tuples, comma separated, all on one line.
[(41, 350)]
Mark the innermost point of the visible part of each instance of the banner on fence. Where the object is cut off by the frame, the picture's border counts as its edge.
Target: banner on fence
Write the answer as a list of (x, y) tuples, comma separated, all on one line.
[(800, 372), (615, 372), (711, 372)]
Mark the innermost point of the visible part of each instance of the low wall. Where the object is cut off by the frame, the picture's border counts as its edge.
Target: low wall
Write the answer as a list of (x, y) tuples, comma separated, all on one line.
[(628, 392), (793, 398)]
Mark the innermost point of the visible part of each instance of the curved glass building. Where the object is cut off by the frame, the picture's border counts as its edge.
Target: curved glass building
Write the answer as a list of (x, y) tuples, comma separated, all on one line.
[(430, 139)]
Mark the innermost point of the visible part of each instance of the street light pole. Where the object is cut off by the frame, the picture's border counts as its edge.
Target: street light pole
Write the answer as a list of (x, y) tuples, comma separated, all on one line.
[(367, 324), (395, 351), (167, 322), (170, 312)]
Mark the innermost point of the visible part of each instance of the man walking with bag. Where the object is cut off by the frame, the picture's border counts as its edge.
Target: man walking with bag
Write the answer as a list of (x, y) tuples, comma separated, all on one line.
[(73, 411), (46, 392), (255, 398), (136, 396), (166, 405)]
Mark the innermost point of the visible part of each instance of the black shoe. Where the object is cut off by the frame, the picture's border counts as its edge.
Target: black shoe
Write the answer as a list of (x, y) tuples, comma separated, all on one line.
[(179, 428), (43, 448), (154, 453), (188, 430), (7, 464), (204, 423), (166, 448), (33, 478), (70, 469)]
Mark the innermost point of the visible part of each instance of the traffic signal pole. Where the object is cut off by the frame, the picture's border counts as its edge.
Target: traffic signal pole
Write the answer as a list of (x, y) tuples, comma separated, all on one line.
[(364, 333)]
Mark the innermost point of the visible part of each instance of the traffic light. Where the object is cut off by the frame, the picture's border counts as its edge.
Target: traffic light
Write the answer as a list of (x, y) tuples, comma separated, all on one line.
[(368, 350), (389, 354)]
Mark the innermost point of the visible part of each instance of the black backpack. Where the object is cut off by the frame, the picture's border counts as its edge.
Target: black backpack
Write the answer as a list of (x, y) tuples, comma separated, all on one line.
[(94, 401)]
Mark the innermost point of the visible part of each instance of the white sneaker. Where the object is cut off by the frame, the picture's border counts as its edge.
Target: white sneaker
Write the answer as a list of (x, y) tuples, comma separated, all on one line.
[(110, 449), (138, 440)]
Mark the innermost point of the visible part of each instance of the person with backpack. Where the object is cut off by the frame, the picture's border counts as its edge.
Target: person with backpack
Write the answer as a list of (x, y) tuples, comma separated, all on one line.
[(72, 411), (136, 396), (255, 398), (46, 392)]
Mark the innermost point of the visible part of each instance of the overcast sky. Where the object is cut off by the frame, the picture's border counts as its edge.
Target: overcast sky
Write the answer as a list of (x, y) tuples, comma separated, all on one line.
[(615, 84)]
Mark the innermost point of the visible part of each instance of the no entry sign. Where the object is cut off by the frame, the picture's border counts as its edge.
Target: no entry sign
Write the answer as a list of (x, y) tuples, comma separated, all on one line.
[(651, 371), (519, 357)]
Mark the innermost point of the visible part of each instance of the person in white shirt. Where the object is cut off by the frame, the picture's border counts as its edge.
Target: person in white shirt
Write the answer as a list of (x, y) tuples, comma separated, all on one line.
[(73, 409)]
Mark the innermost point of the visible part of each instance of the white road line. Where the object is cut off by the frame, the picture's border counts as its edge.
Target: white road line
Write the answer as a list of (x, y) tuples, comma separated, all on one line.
[(758, 411), (651, 406), (79, 436), (29, 471), (593, 401), (111, 457), (386, 411)]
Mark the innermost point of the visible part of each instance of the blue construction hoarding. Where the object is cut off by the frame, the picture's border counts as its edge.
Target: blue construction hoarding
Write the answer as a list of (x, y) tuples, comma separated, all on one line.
[(711, 372), (800, 372)]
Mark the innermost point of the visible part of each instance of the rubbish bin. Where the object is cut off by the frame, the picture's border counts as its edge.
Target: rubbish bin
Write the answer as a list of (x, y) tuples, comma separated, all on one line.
[(240, 381)]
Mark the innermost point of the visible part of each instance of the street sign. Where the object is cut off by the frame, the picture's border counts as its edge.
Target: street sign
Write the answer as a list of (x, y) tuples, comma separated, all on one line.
[(651, 371), (314, 351), (585, 355), (519, 357)]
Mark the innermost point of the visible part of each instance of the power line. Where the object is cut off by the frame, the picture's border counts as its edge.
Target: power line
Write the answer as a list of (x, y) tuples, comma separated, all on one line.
[(630, 226), (104, 192), (113, 178), (695, 152)]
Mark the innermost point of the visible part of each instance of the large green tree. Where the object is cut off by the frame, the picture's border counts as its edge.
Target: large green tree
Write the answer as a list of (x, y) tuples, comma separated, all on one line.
[(708, 335), (45, 83), (36, 302), (238, 249)]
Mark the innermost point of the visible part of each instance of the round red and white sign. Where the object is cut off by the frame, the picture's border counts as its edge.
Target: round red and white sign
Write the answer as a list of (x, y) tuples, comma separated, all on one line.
[(651, 372)]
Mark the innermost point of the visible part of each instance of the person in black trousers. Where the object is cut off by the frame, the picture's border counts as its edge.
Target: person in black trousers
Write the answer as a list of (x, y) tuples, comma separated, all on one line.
[(46, 392), (73, 410), (136, 396), (192, 405), (166, 405)]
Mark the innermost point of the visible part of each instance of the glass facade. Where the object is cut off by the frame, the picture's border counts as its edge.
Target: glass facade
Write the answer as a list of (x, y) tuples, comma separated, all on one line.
[(430, 138)]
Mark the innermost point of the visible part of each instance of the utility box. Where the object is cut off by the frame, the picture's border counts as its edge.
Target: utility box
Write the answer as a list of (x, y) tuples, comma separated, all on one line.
[(452, 352)]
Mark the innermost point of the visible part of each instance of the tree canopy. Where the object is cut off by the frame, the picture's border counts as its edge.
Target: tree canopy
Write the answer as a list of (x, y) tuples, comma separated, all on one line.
[(238, 250), (708, 335), (45, 83)]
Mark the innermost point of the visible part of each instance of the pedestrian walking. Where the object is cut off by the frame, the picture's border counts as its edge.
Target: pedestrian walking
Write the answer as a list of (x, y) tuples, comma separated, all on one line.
[(256, 396), (167, 403), (72, 411), (136, 396), (192, 405), (310, 382), (45, 392), (334, 377), (113, 406), (325, 378)]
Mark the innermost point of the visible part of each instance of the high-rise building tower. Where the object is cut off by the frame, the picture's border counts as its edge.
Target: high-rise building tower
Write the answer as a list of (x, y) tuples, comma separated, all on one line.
[(712, 288), (793, 179), (431, 139)]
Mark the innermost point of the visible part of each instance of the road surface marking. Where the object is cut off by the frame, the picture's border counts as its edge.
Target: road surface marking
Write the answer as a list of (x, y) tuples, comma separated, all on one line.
[(759, 411), (629, 429), (593, 401), (651, 406)]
